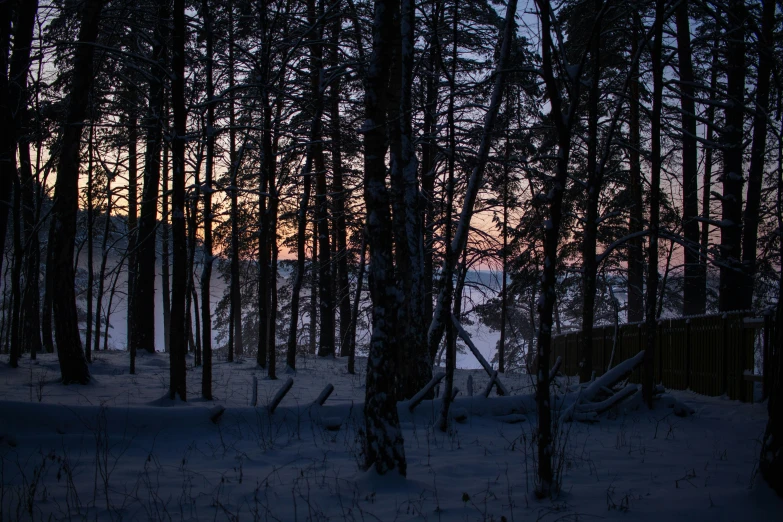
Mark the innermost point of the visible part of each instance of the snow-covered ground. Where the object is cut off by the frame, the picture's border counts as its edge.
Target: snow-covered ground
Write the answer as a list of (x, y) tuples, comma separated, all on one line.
[(118, 449)]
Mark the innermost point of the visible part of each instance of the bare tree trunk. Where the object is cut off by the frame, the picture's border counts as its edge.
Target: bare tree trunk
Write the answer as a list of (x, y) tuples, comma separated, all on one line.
[(428, 156), (635, 223), (314, 293), (771, 458), (383, 443), (16, 274), (102, 270), (708, 160), (655, 198), (695, 285), (594, 186), (179, 273), (164, 253), (18, 93), (206, 273), (132, 235), (731, 269), (264, 181), (317, 90), (563, 115), (73, 366), (339, 191), (235, 343), (447, 282), (751, 221), (90, 267), (143, 301)]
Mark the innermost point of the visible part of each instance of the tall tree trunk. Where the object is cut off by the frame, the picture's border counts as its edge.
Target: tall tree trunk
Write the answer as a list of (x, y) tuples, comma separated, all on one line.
[(73, 366), (179, 269), (771, 458), (316, 89), (8, 148), (594, 186), (447, 283), (132, 234), (339, 191), (383, 443), (90, 264), (731, 269), (18, 95), (655, 198), (709, 150), (694, 287), (326, 339), (206, 274), (235, 345), (504, 261), (143, 301), (264, 181), (413, 280), (16, 274), (428, 156), (314, 293), (635, 312), (750, 221), (164, 250), (102, 270), (563, 114)]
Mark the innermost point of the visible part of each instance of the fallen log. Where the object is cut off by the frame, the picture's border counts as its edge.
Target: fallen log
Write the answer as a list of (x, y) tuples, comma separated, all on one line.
[(280, 394), (416, 399), (487, 367)]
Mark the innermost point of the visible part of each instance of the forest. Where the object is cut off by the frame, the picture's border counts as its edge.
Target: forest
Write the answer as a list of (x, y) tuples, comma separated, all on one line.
[(369, 184)]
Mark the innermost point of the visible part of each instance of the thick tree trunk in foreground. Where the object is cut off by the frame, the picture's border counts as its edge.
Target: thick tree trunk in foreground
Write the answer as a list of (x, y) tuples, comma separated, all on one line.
[(73, 366), (383, 443), (771, 459), (563, 113)]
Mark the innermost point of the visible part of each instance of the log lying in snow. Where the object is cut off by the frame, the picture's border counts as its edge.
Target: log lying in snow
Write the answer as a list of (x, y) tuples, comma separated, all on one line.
[(487, 367), (321, 399), (280, 394), (584, 409), (416, 399), (215, 413)]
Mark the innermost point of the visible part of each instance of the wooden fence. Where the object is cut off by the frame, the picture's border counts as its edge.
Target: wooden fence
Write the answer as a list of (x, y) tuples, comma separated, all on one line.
[(712, 355)]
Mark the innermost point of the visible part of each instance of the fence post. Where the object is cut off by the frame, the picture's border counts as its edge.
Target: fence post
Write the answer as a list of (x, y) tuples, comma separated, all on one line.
[(687, 354)]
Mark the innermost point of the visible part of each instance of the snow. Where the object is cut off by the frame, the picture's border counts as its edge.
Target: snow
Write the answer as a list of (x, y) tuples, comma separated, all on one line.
[(120, 449)]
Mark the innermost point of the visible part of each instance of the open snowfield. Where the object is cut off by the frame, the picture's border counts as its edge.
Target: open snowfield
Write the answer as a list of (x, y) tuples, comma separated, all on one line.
[(118, 449)]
